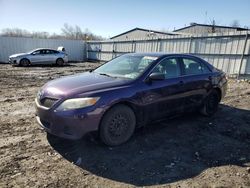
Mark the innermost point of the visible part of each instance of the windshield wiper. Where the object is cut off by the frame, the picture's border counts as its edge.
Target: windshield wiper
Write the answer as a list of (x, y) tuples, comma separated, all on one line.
[(112, 76), (104, 74)]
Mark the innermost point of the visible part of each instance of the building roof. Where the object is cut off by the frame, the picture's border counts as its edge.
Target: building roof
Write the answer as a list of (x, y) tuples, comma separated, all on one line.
[(206, 25), (146, 30)]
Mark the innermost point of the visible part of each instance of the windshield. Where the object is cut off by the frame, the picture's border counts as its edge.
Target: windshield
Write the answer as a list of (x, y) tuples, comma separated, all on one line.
[(126, 66), (30, 52)]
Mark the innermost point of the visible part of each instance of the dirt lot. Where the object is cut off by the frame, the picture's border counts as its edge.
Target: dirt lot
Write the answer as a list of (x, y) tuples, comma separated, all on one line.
[(189, 151)]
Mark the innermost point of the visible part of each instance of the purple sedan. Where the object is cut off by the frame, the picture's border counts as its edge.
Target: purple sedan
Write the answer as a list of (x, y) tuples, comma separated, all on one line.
[(128, 92)]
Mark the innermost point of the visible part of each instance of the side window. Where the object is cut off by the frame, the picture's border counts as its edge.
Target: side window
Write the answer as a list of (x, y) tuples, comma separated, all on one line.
[(168, 67), (144, 63), (192, 67), (49, 52), (43, 52), (205, 69), (37, 52)]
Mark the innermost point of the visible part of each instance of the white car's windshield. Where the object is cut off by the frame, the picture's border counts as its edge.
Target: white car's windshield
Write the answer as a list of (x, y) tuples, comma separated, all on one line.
[(126, 66), (30, 52)]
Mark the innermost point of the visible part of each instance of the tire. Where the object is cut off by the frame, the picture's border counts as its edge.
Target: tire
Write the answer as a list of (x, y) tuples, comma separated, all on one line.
[(60, 62), (24, 62), (211, 104), (117, 125)]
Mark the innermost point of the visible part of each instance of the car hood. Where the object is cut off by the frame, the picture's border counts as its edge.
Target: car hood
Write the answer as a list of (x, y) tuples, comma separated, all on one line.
[(17, 55), (80, 83)]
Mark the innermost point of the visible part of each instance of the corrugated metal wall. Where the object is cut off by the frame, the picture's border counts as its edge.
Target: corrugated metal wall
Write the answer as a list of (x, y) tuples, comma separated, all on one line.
[(229, 52), (11, 45)]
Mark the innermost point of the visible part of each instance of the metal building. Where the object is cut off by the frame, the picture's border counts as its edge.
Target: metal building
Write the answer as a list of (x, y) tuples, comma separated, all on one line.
[(196, 28), (138, 33)]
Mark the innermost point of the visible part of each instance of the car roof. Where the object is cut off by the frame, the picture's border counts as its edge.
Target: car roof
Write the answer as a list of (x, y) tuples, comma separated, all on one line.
[(160, 55), (44, 49), (163, 54)]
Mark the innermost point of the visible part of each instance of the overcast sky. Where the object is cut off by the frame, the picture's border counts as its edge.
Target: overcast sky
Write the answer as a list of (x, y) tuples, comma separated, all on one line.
[(112, 17)]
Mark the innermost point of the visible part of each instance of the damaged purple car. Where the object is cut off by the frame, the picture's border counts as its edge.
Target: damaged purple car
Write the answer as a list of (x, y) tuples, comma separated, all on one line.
[(128, 92)]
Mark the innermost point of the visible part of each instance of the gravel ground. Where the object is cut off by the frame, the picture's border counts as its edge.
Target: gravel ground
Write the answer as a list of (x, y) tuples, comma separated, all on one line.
[(188, 151)]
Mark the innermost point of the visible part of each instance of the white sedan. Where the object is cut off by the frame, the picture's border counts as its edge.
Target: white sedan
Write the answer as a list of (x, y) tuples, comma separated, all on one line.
[(39, 56)]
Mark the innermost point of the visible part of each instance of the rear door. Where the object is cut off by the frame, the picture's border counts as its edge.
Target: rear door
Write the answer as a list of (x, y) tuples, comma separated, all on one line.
[(163, 97), (196, 81), (50, 56)]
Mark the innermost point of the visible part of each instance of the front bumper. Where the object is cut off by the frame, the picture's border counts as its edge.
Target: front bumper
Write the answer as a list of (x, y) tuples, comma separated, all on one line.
[(13, 61), (72, 124)]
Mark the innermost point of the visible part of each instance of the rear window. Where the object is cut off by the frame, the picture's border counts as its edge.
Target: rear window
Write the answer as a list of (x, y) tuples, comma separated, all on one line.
[(193, 67)]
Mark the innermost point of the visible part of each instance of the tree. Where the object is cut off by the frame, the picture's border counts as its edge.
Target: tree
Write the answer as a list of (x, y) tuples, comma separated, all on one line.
[(235, 23), (76, 33), (68, 32), (15, 32)]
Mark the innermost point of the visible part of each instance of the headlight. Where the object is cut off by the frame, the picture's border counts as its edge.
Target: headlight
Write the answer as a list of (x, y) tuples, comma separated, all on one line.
[(77, 103)]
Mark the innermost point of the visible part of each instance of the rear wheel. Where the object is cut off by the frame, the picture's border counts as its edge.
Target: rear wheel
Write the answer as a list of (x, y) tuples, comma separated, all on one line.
[(24, 62), (117, 125), (211, 104), (59, 62)]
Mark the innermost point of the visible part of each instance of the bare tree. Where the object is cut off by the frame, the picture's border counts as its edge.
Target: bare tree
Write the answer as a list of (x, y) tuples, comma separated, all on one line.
[(15, 32), (75, 32), (68, 32), (42, 34), (235, 23)]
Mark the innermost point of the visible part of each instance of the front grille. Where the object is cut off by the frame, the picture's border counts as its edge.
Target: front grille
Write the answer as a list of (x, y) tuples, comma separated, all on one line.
[(48, 102)]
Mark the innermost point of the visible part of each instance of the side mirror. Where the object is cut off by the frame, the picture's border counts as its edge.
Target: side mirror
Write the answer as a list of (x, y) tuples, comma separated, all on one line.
[(157, 76), (154, 76)]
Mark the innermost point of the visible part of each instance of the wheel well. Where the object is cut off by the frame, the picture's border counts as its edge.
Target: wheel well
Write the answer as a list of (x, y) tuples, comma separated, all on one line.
[(218, 90)]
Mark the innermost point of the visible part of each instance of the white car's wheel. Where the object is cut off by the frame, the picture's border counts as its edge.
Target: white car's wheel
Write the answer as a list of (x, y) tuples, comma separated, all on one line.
[(60, 62), (24, 62)]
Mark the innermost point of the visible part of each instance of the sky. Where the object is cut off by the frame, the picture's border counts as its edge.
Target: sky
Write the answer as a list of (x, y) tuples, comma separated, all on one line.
[(111, 17)]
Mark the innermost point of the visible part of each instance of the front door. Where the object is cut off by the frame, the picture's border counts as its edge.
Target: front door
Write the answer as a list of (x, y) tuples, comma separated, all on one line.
[(36, 57), (164, 97), (39, 57)]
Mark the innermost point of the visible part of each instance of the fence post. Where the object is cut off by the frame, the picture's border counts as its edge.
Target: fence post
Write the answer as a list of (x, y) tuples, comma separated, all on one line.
[(86, 51), (242, 55)]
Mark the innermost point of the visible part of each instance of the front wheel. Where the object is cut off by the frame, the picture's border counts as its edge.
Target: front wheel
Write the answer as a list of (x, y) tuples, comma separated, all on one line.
[(117, 125), (24, 62), (211, 104)]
